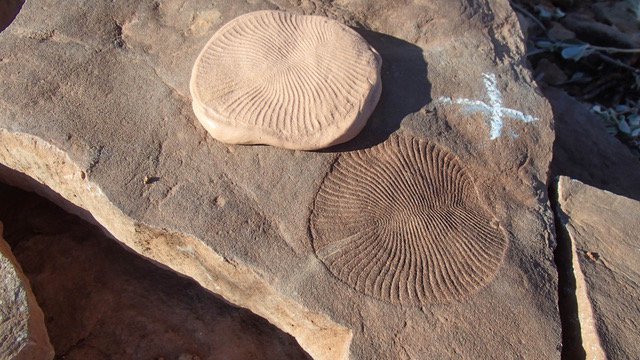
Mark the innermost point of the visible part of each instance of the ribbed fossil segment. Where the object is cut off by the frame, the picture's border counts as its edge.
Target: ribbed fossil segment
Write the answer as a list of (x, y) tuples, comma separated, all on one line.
[(301, 82), (402, 222)]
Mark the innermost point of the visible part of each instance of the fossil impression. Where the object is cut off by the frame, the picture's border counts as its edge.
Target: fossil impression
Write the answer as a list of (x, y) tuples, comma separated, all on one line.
[(402, 222), (293, 81)]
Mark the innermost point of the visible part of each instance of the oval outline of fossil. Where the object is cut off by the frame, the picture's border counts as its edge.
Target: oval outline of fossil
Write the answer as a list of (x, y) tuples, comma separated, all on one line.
[(294, 81), (403, 222)]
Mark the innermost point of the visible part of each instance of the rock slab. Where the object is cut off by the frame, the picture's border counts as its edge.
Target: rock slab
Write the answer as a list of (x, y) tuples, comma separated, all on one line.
[(102, 299), (95, 113), (604, 232), (23, 334)]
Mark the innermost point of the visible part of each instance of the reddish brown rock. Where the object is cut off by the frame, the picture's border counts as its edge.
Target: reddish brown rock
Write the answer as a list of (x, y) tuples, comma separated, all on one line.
[(97, 100), (550, 73), (23, 335), (560, 33), (102, 301), (603, 229)]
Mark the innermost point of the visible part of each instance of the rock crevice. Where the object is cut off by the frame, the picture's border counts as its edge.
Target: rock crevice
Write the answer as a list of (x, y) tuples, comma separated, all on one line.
[(572, 343), (35, 165)]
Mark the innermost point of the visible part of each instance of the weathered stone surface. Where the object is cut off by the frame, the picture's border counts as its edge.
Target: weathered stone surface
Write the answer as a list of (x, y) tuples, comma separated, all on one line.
[(293, 81), (402, 222), (102, 301), (603, 229), (95, 104), (23, 334)]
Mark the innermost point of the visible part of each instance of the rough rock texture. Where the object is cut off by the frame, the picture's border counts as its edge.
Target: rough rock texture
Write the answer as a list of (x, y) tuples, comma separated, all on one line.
[(603, 229), (23, 334), (95, 106), (585, 151), (277, 78), (402, 222), (104, 302)]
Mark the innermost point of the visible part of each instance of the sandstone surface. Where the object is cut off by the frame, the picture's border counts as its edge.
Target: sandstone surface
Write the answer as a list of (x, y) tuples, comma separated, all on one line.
[(277, 78), (23, 334), (95, 113), (103, 302), (603, 229)]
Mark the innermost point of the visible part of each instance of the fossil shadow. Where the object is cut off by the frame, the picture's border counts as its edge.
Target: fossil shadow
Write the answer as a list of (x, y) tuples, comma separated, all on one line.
[(405, 89), (9, 9)]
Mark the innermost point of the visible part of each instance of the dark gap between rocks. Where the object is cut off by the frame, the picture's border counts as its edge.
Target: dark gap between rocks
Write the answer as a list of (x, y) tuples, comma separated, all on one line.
[(9, 9), (102, 301), (572, 348)]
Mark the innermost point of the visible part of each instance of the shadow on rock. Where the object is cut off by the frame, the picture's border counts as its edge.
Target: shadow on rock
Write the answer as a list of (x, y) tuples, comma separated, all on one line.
[(584, 151), (405, 89), (9, 9), (104, 302)]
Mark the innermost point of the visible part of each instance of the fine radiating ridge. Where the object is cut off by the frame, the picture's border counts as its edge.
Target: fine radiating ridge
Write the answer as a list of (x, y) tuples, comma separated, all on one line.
[(402, 222), (287, 80)]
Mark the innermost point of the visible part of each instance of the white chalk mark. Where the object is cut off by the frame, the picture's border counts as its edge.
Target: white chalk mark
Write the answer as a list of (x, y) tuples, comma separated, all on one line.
[(494, 109)]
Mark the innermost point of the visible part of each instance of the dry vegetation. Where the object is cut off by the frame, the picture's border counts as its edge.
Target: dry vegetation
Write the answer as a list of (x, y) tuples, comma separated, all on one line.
[(591, 49)]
